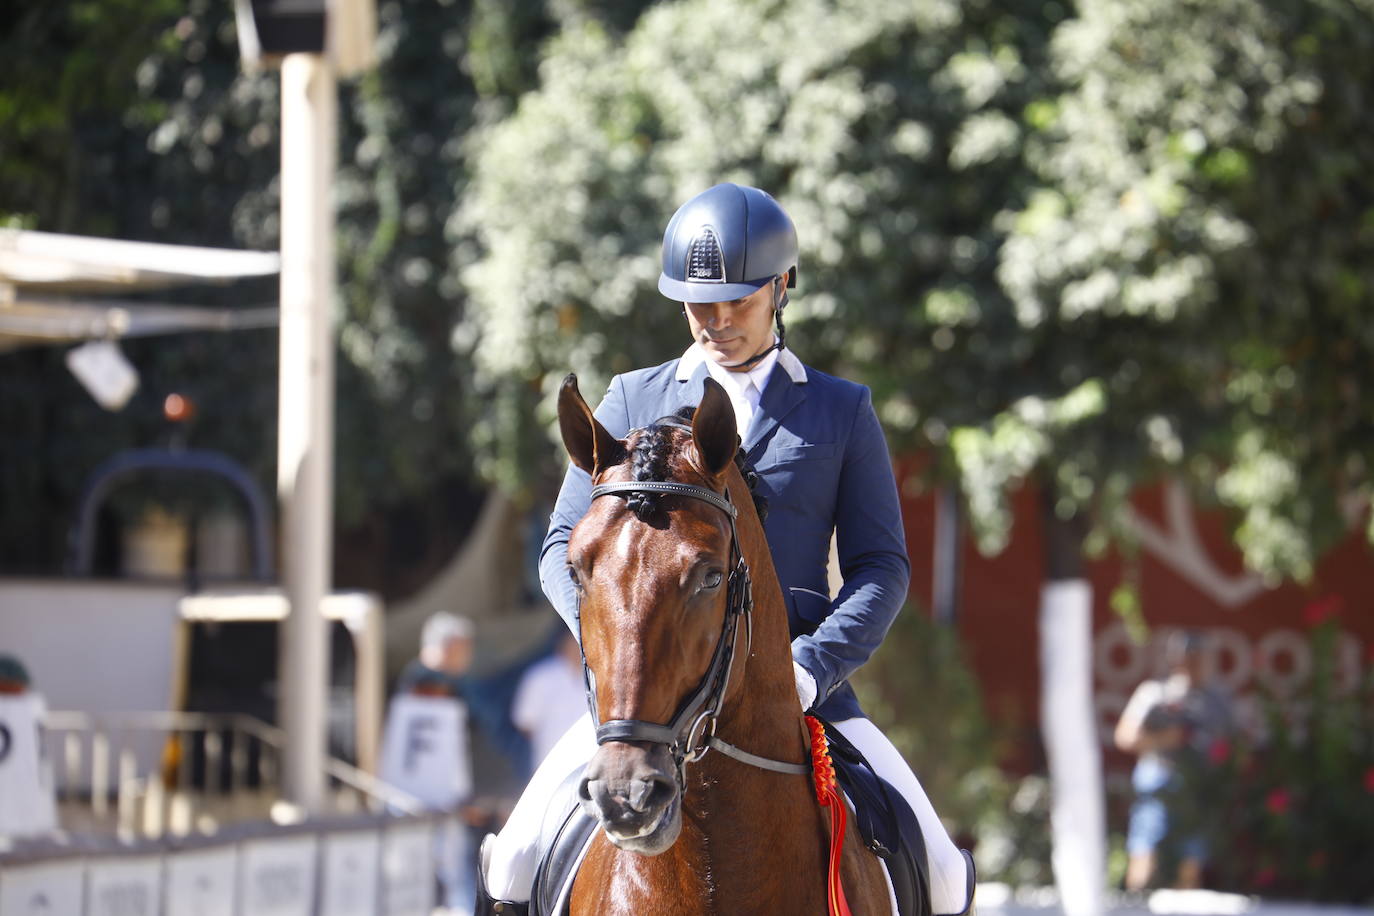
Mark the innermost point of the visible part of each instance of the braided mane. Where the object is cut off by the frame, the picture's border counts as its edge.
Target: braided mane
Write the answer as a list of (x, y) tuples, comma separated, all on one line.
[(649, 461)]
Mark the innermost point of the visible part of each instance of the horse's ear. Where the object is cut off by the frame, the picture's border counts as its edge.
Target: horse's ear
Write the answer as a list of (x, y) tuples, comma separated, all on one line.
[(713, 428), (588, 443)]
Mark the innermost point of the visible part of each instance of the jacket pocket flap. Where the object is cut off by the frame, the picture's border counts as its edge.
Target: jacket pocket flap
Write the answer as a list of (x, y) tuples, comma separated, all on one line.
[(803, 452)]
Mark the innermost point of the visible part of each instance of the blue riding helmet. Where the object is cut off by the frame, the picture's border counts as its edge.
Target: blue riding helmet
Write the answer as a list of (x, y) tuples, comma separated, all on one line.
[(725, 243)]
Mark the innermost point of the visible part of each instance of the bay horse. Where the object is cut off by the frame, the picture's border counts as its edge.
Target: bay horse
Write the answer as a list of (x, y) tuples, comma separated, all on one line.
[(702, 782)]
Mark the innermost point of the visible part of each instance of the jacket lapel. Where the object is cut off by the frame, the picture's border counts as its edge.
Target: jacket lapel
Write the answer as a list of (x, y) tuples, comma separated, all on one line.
[(686, 392), (779, 399)]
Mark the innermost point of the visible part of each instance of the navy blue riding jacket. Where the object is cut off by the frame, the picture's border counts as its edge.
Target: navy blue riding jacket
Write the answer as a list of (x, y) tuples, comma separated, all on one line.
[(823, 464)]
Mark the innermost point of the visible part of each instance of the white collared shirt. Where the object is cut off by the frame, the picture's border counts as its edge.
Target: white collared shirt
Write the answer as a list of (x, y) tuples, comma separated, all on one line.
[(744, 388)]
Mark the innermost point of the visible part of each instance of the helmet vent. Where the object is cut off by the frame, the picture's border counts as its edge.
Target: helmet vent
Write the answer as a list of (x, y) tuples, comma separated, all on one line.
[(705, 261)]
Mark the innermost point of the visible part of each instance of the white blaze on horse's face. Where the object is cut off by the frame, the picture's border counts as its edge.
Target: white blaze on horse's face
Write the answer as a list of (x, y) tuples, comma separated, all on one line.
[(624, 544)]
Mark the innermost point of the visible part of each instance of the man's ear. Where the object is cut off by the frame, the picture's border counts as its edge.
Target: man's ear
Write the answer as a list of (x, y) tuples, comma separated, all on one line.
[(589, 445), (714, 430)]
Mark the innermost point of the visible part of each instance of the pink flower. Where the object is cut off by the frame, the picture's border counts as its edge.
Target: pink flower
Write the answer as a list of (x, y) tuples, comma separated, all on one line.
[(1322, 610), (1278, 801), (1266, 876), (1369, 780), (1219, 752)]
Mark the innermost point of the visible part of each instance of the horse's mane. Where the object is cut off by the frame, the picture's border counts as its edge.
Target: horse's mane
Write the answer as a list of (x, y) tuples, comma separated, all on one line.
[(649, 460)]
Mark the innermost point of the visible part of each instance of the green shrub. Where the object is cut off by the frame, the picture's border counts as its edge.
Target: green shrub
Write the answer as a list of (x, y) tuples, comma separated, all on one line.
[(919, 690), (1292, 809)]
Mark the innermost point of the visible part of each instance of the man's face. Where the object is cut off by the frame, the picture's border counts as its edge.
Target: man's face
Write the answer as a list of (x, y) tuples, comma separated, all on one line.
[(457, 655), (731, 332)]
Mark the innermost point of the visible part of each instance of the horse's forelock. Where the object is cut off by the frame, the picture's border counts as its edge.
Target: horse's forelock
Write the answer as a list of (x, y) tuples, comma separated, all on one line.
[(650, 458)]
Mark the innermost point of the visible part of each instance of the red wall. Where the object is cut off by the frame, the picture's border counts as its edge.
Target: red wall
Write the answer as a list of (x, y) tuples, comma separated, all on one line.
[(1261, 638)]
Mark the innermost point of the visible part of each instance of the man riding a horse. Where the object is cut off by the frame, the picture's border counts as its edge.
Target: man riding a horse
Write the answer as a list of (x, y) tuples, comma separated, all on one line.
[(821, 460)]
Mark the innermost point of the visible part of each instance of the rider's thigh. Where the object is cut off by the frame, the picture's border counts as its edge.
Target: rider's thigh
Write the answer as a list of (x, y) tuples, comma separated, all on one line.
[(511, 870), (948, 873)]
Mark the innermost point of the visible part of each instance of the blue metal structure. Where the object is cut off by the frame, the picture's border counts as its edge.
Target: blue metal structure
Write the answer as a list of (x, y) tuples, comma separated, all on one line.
[(104, 479)]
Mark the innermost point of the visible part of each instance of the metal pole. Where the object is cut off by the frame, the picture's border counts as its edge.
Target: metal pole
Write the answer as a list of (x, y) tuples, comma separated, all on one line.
[(305, 421), (948, 535)]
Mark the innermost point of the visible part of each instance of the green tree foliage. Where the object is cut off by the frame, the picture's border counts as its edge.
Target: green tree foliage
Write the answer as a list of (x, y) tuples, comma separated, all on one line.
[(1093, 243), (69, 66), (1205, 217), (919, 689), (894, 142), (1072, 247)]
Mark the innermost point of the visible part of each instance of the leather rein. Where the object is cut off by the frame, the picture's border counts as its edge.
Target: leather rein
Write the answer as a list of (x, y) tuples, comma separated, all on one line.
[(692, 731)]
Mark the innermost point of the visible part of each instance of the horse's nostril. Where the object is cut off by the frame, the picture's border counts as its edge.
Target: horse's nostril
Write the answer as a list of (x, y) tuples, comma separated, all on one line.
[(584, 790), (647, 794), (640, 790)]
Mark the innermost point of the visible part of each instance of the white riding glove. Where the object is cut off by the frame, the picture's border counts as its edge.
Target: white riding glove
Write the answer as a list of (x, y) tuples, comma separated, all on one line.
[(806, 686)]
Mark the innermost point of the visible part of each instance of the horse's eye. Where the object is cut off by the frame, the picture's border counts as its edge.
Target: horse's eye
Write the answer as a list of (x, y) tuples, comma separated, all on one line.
[(572, 574), (712, 579)]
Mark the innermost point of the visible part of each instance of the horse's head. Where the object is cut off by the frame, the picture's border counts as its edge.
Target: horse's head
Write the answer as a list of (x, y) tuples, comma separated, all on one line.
[(653, 568)]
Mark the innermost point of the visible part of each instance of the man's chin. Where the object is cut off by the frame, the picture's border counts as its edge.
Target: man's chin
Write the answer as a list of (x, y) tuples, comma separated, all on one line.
[(723, 354)]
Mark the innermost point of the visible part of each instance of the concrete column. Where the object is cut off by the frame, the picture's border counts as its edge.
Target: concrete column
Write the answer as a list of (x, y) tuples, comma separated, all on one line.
[(305, 421), (1069, 726)]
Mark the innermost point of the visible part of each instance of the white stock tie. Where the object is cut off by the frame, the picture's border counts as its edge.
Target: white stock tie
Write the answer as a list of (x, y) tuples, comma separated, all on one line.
[(744, 402)]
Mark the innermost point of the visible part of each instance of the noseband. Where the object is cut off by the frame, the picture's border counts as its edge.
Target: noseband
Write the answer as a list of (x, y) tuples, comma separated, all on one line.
[(692, 731)]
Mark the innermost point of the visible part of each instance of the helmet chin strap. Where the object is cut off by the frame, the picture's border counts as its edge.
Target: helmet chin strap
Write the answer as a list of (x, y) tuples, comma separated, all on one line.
[(778, 292)]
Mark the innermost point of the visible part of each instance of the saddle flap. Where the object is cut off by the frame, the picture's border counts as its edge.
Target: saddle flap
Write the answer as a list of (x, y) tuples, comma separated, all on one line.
[(566, 833)]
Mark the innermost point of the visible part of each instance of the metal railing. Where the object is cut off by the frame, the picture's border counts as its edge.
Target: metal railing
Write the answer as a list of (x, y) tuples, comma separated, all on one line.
[(150, 774)]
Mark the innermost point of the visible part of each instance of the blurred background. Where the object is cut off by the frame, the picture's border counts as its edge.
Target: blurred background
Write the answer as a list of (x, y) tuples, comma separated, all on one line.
[(1107, 267)]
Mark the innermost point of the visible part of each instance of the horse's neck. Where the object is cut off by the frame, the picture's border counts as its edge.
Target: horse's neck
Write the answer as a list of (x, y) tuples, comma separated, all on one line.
[(753, 831)]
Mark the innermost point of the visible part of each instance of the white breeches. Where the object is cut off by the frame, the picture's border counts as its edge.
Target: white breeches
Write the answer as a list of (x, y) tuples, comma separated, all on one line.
[(510, 872)]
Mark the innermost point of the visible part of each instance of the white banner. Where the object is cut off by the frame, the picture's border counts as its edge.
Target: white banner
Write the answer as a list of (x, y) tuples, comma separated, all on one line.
[(408, 871), (277, 876), (351, 882), (124, 887), (202, 881), (49, 889)]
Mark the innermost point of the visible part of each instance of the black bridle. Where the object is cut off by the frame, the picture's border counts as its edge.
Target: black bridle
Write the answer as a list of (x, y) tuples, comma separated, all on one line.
[(692, 731)]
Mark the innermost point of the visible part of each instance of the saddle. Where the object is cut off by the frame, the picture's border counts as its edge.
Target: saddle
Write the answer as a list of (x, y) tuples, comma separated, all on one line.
[(564, 838), (886, 823)]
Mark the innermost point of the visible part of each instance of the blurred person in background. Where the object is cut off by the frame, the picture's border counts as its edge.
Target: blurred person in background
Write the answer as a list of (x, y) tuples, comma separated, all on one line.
[(426, 748), (445, 654), (551, 696), (1163, 720), (27, 802)]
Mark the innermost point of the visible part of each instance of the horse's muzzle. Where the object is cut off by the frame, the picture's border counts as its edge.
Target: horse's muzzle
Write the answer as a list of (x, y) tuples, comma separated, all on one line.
[(631, 789)]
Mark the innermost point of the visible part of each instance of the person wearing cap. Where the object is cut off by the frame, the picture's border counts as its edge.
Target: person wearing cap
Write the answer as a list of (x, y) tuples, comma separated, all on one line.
[(729, 262), (445, 653)]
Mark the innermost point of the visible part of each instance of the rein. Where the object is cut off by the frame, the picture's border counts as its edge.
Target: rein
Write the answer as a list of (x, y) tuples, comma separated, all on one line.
[(692, 731)]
